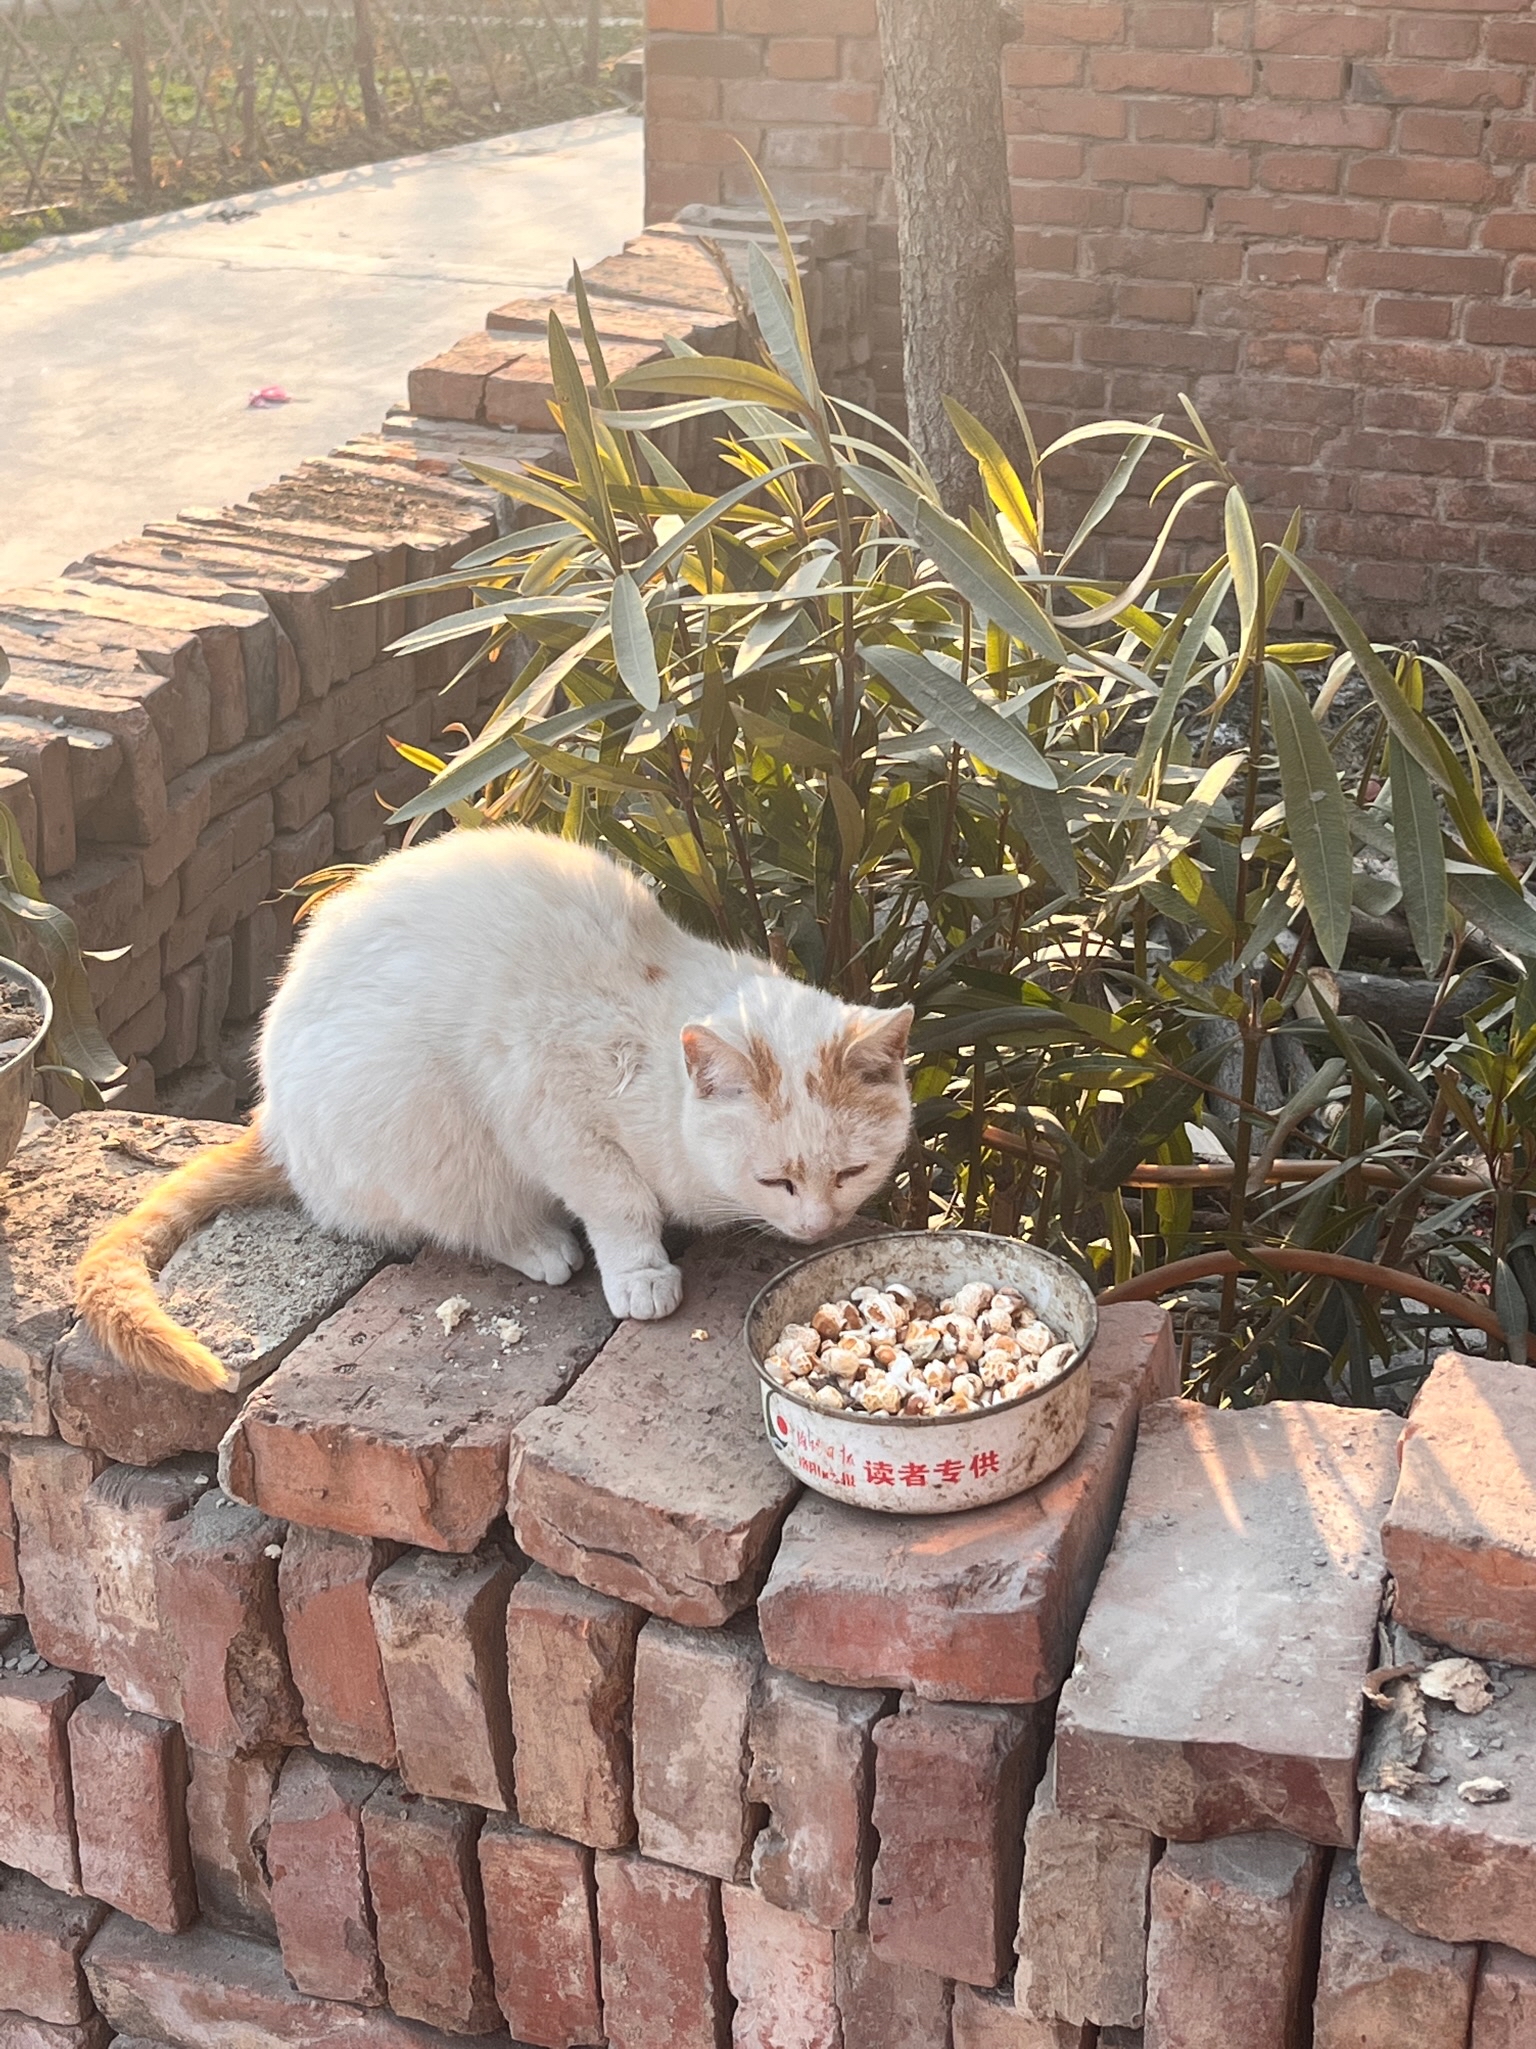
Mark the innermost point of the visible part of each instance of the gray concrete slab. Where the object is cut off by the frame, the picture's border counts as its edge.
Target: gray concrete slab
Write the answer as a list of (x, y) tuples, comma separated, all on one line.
[(127, 355)]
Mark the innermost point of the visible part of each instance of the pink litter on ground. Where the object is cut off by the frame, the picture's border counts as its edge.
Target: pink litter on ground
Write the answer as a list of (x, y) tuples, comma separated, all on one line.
[(269, 395)]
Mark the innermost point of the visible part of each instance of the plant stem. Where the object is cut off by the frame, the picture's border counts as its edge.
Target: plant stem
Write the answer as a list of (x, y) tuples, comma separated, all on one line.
[(743, 856), (1252, 1033)]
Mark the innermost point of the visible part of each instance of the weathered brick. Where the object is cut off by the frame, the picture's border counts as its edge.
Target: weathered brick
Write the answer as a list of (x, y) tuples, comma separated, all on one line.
[(125, 1511), (315, 1861), (316, 1445), (425, 1882), (782, 1974), (20, 2031), (62, 1186), (216, 1577), (676, 1510), (252, 1284), (128, 806), (1082, 1938), (300, 800), (662, 1938), (229, 1813), (452, 386), (441, 1626), (1233, 1924), (1448, 1869), (323, 1583), (1378, 1985), (521, 393), (43, 1934), (1206, 1703), (41, 753), (1460, 1536), (882, 2005), (988, 2019), (1504, 2014), (951, 1788), (541, 1920), (129, 1773), (49, 1483), (301, 853), (692, 1713), (208, 1990), (993, 1612), (813, 1770), (37, 1822), (571, 1666)]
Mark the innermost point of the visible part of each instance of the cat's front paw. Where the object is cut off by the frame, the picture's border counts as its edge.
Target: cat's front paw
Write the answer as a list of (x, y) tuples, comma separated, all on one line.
[(646, 1292)]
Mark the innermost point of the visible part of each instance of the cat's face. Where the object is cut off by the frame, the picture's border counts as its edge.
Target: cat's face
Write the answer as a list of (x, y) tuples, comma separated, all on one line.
[(800, 1119)]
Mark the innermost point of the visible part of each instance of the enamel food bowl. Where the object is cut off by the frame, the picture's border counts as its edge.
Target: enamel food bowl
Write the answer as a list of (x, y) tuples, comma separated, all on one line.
[(927, 1465)]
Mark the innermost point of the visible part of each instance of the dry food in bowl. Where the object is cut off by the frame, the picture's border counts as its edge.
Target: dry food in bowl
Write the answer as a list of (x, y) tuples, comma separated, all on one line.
[(920, 1372)]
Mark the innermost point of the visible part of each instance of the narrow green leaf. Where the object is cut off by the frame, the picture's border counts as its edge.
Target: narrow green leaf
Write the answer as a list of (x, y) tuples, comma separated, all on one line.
[(1316, 814), (1110, 492), (783, 742), (1507, 915), (1511, 1309), (482, 763), (581, 434), (666, 552), (950, 705), (776, 320), (1420, 852), (526, 490), (849, 813), (715, 377), (1180, 668), (1497, 761), (633, 648), (963, 562)]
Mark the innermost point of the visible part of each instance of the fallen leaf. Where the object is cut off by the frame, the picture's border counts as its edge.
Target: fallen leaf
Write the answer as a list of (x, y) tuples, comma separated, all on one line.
[(1482, 1792), (1395, 1777), (1395, 1741), (1461, 1681), (1373, 1683)]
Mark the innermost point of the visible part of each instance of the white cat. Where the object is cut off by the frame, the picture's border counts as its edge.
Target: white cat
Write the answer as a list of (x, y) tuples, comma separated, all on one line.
[(498, 1034)]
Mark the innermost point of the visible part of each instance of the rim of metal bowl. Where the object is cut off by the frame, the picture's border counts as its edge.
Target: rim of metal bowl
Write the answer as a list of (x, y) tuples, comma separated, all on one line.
[(13, 972), (974, 1416)]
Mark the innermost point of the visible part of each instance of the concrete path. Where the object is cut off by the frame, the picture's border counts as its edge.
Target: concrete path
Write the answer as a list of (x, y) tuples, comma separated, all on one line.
[(127, 355)]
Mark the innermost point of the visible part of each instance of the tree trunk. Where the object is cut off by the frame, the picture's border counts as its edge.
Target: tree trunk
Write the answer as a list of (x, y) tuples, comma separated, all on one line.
[(959, 313)]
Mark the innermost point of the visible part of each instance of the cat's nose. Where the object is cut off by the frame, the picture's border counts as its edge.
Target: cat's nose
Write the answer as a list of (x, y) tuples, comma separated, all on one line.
[(815, 1224)]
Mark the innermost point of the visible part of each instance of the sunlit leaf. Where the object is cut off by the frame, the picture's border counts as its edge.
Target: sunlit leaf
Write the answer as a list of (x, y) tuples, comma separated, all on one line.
[(998, 475), (633, 648)]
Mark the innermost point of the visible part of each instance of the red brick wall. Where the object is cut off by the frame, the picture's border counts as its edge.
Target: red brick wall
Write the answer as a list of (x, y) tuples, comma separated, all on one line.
[(1315, 219)]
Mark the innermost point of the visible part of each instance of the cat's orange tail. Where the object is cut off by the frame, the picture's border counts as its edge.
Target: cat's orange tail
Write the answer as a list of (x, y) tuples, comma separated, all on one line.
[(114, 1285)]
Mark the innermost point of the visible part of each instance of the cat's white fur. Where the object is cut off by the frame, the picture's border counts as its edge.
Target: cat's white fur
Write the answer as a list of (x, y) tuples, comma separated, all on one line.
[(489, 1037)]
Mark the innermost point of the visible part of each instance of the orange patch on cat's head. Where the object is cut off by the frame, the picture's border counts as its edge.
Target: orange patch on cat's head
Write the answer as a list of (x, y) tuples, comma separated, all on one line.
[(766, 1075), (859, 1058), (652, 973)]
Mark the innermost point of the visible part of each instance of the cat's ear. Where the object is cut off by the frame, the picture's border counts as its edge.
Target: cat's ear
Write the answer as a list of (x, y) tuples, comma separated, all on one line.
[(877, 1049), (715, 1067)]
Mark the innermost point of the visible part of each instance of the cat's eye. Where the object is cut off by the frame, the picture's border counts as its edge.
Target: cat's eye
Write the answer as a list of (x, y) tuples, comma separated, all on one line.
[(851, 1174), (787, 1186)]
